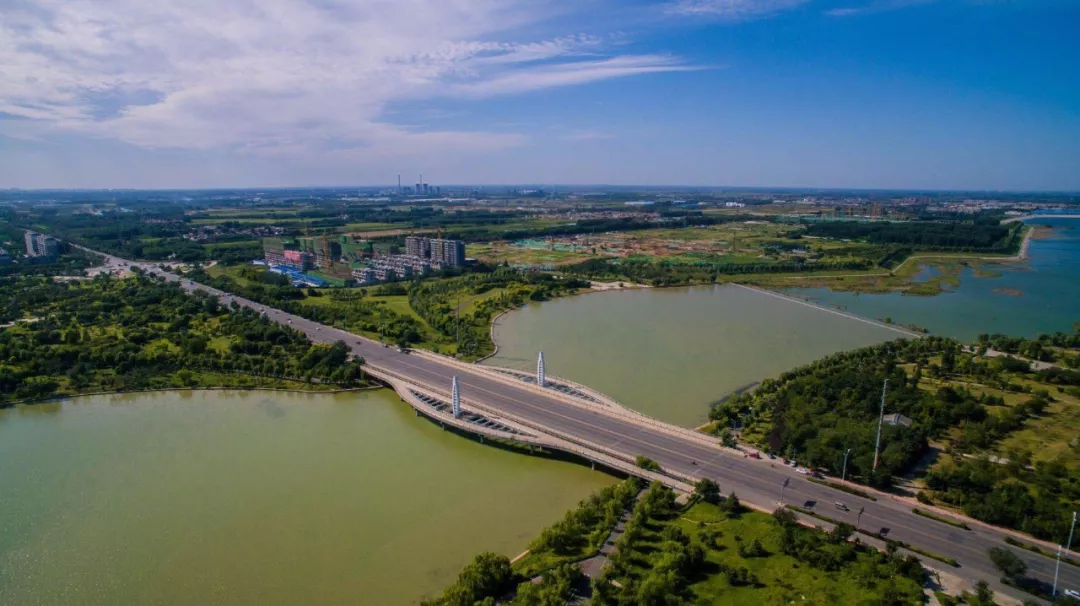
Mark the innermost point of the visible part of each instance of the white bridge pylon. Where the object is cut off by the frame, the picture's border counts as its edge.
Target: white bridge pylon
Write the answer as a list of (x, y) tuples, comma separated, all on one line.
[(540, 377), (455, 398)]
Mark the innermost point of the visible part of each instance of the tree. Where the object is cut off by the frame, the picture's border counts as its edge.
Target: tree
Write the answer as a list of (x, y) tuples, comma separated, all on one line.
[(727, 439), (984, 596), (488, 575), (732, 505), (707, 490), (784, 517), (1010, 565), (646, 463)]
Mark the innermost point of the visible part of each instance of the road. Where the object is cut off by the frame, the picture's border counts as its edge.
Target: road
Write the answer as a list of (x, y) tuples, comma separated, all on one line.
[(755, 481)]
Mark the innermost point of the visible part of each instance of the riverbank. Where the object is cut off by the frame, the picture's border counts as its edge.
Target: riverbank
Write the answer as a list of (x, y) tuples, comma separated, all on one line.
[(64, 397)]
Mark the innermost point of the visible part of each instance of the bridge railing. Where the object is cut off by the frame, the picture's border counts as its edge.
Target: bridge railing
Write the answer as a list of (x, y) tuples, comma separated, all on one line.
[(617, 409), (584, 448)]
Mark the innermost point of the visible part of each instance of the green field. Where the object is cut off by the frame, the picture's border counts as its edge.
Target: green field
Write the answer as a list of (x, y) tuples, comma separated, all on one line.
[(784, 579)]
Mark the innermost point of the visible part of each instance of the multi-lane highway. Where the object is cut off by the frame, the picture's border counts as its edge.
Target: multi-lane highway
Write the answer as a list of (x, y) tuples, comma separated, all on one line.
[(756, 481)]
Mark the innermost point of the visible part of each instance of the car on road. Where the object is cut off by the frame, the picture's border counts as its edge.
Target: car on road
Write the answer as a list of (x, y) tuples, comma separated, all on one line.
[(1072, 593), (359, 342), (801, 470), (841, 506)]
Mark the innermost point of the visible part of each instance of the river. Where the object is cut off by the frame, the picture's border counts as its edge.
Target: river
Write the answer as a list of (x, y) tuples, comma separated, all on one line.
[(256, 498), (1038, 295), (671, 352)]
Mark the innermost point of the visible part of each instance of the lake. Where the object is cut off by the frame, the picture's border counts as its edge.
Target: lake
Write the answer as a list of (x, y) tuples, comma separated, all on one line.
[(671, 352), (1041, 294), (215, 497)]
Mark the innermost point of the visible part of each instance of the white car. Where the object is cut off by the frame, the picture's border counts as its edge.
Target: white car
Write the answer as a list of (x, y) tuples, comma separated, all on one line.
[(801, 470), (1072, 593)]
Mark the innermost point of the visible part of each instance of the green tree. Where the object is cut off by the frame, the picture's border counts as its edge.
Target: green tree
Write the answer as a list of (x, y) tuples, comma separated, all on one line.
[(707, 490), (1010, 565)]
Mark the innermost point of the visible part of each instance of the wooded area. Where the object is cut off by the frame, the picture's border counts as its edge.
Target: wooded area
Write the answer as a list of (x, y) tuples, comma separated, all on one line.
[(107, 334)]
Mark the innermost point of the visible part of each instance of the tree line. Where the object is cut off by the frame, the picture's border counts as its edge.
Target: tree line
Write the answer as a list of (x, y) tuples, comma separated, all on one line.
[(967, 236)]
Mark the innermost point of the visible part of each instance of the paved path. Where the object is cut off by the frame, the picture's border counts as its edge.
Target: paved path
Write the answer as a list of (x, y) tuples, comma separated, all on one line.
[(592, 567), (757, 482)]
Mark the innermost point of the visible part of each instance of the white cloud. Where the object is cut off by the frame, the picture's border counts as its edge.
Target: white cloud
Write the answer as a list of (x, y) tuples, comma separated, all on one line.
[(280, 76), (731, 10), (879, 6)]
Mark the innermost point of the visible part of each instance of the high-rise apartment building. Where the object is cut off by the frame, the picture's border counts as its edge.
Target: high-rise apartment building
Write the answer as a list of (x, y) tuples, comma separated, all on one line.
[(40, 245), (441, 252)]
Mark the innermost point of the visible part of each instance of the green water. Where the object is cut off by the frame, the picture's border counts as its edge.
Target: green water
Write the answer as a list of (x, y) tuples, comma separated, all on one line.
[(1041, 294), (256, 498), (671, 352)]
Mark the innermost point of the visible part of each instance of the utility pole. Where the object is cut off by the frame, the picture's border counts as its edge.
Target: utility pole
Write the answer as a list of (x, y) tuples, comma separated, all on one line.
[(858, 520), (880, 422), (843, 475), (782, 487)]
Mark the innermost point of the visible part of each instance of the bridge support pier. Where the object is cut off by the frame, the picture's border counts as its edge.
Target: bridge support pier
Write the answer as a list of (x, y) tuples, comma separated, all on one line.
[(481, 439), (592, 465), (541, 378)]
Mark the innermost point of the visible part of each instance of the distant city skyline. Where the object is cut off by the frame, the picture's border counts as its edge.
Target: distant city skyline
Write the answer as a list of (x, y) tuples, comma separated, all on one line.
[(958, 95)]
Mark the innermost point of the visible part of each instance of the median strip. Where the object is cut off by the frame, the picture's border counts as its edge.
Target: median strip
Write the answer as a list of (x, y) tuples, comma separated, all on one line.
[(1040, 551), (942, 519), (844, 488)]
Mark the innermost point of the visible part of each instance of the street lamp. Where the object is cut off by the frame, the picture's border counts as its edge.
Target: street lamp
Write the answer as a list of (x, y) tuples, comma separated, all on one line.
[(782, 487), (1057, 566), (1068, 546), (843, 475)]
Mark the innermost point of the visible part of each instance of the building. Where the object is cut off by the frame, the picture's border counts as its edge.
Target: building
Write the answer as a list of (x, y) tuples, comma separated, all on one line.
[(364, 275), (418, 247), (448, 253), (440, 252), (897, 419), (298, 259), (5, 258), (40, 245)]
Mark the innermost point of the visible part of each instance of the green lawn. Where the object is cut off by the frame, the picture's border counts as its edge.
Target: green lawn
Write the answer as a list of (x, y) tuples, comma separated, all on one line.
[(785, 580)]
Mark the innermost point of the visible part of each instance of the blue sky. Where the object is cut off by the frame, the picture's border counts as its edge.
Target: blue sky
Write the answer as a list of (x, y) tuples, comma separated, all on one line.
[(945, 94)]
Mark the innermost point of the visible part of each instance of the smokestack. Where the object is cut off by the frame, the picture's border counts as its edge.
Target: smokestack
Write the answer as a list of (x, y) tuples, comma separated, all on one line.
[(399, 184)]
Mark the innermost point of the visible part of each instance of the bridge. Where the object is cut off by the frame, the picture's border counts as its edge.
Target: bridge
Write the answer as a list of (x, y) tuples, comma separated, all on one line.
[(553, 413)]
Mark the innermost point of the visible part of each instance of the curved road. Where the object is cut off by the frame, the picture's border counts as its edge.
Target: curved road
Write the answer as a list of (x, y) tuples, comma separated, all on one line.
[(756, 481)]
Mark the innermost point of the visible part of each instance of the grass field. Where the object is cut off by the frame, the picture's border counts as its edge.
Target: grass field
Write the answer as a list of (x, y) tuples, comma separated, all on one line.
[(1052, 436), (783, 579), (498, 252)]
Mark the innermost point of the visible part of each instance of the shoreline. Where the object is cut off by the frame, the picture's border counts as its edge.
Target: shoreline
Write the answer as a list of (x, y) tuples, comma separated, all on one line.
[(121, 392), (584, 291)]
